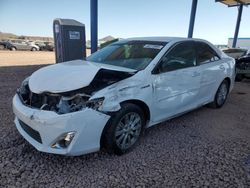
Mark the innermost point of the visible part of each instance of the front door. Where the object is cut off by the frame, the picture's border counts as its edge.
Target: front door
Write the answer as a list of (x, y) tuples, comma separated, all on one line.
[(176, 82)]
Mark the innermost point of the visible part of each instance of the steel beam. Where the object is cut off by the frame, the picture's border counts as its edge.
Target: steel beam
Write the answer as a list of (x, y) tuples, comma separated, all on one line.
[(94, 24), (192, 18), (237, 28)]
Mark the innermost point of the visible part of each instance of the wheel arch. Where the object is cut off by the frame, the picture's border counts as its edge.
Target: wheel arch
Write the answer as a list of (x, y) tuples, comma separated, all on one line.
[(229, 82), (142, 105), (137, 102), (229, 85)]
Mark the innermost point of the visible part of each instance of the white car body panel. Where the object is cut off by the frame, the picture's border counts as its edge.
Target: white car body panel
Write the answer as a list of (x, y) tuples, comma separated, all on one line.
[(67, 76), (51, 126), (166, 95), (168, 88)]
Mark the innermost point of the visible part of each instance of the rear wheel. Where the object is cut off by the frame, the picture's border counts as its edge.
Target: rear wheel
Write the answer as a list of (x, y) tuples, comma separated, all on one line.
[(124, 129), (33, 49), (221, 95)]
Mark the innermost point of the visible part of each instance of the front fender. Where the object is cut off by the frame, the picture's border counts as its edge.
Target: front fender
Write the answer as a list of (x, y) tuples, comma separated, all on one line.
[(115, 96)]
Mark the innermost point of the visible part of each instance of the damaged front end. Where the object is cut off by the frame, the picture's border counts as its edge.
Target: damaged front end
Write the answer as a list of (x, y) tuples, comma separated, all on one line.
[(71, 101)]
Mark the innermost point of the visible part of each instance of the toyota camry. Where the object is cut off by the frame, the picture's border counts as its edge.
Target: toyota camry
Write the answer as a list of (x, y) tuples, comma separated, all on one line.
[(107, 100)]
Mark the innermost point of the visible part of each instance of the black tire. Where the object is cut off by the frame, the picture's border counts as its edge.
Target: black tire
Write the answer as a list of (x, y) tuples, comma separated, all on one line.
[(33, 49), (239, 77), (13, 48), (221, 96), (113, 138)]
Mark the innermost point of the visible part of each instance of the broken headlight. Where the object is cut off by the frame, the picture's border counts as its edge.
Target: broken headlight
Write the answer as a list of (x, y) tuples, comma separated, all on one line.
[(72, 104), (95, 103), (78, 102)]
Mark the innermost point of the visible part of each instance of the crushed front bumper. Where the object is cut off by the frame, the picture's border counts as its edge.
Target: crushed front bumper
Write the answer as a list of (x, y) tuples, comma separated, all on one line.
[(33, 123)]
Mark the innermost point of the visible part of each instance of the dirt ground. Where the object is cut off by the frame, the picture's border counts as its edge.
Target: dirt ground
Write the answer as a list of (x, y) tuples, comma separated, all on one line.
[(19, 58), (204, 148)]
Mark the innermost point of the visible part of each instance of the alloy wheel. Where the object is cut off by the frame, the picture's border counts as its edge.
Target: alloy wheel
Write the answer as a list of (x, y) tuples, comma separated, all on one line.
[(222, 94), (128, 130)]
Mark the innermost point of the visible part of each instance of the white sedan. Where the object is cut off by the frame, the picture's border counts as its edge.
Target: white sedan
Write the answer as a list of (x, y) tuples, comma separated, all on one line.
[(78, 107)]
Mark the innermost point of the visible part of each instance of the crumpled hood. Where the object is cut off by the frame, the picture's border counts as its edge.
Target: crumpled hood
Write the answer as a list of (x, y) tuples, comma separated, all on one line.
[(68, 76)]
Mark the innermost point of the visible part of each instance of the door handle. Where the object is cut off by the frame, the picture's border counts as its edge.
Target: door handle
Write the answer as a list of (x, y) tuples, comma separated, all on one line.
[(222, 67), (195, 74)]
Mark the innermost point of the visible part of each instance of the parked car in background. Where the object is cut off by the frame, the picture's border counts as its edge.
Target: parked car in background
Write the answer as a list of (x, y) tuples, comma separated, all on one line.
[(3, 45), (79, 106), (21, 45), (49, 46), (243, 66), (45, 46), (235, 52), (40, 44)]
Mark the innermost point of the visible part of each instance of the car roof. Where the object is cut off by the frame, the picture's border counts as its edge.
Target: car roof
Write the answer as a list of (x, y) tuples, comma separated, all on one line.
[(171, 39), (163, 39)]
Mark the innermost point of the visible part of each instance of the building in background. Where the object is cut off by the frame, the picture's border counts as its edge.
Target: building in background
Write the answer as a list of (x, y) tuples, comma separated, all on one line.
[(241, 43)]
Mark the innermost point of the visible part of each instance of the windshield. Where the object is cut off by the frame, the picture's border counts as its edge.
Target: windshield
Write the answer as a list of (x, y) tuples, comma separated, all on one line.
[(133, 54)]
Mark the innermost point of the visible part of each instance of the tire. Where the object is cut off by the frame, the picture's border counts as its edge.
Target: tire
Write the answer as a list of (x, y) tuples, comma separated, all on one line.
[(33, 49), (124, 129), (239, 77), (13, 48), (221, 95)]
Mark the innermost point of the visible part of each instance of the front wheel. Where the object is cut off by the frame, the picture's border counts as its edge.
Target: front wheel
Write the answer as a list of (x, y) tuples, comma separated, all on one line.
[(221, 95), (124, 129)]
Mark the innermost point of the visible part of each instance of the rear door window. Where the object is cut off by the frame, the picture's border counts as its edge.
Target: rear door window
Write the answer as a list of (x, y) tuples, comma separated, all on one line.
[(205, 54)]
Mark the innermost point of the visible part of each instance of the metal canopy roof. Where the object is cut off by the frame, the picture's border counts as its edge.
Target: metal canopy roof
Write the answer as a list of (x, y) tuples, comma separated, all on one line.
[(239, 4), (231, 3)]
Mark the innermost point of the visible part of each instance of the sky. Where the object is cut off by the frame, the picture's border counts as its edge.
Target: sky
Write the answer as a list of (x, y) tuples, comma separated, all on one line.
[(214, 22)]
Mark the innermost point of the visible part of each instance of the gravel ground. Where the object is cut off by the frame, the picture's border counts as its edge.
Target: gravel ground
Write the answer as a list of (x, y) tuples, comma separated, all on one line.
[(206, 147)]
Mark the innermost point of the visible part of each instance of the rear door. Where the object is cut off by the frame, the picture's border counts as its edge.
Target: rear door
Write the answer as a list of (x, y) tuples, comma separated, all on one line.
[(176, 81), (212, 71)]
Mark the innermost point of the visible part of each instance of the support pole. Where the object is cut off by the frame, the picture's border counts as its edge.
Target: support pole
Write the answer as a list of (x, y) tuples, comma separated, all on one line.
[(192, 18), (94, 24), (237, 28)]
